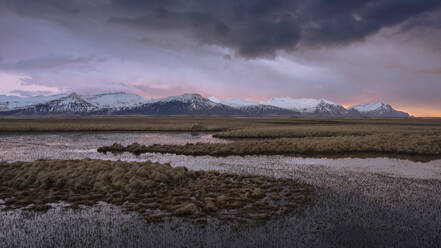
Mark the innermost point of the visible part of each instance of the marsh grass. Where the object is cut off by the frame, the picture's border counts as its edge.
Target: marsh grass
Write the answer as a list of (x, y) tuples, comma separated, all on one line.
[(301, 131), (214, 124), (406, 144), (158, 191), (351, 210)]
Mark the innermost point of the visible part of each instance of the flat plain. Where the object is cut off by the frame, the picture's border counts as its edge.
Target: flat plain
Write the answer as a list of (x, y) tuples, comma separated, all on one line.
[(217, 182)]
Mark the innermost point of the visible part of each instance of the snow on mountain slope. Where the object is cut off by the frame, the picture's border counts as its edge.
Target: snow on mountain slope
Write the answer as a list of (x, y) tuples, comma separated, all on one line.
[(103, 100), (197, 101), (186, 104), (16, 102), (214, 99), (378, 109), (249, 107), (304, 105), (369, 106), (187, 97), (72, 103), (115, 100), (234, 102)]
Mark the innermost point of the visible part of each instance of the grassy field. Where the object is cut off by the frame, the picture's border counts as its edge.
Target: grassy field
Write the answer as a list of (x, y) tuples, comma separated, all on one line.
[(212, 124)]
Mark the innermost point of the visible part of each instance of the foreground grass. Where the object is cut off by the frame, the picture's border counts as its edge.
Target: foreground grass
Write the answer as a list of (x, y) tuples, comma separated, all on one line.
[(156, 190), (352, 210), (410, 144)]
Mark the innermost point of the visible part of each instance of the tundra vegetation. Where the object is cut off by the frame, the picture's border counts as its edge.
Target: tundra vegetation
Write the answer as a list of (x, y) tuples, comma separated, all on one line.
[(158, 191), (213, 124), (256, 136), (304, 137), (385, 144)]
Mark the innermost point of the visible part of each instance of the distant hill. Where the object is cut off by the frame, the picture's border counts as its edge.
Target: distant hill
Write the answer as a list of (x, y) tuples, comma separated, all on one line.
[(121, 103)]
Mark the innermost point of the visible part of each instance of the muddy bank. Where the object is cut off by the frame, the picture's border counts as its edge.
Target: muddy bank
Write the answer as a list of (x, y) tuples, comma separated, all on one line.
[(155, 190)]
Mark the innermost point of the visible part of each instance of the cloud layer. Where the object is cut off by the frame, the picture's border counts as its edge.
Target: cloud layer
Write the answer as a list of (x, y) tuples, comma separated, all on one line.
[(262, 28), (360, 50)]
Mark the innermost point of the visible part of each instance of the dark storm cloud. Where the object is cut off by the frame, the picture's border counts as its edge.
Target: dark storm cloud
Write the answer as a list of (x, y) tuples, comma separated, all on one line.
[(256, 30), (260, 28), (253, 28), (47, 8), (343, 50)]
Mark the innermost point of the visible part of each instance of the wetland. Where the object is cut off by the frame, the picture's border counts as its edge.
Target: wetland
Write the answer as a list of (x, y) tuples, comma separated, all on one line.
[(56, 188)]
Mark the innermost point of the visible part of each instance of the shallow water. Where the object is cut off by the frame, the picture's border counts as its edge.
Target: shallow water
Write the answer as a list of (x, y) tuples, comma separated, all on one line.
[(79, 145), (73, 145), (369, 202)]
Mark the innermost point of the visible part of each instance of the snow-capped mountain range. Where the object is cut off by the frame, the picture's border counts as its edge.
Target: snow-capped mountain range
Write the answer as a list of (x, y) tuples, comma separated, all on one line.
[(115, 100), (121, 103), (377, 109)]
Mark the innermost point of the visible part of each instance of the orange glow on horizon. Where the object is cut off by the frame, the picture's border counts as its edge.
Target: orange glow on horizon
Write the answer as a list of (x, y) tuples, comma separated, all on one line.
[(417, 111), (423, 112)]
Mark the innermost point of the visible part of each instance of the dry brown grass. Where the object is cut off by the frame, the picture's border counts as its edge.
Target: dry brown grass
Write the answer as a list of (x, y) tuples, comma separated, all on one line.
[(291, 135), (109, 124), (156, 190), (190, 123), (136, 124), (408, 144), (319, 130)]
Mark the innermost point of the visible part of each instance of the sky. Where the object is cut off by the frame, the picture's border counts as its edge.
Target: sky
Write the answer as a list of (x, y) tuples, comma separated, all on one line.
[(347, 51)]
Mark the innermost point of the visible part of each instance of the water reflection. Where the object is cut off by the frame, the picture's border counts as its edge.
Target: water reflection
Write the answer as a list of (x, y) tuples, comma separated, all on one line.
[(357, 198), (77, 145), (28, 147)]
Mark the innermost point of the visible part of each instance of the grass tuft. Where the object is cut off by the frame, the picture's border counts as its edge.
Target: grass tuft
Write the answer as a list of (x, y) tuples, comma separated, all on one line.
[(158, 191), (405, 144)]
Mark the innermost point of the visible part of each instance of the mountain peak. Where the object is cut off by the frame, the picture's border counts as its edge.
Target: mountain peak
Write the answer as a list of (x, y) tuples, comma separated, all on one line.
[(72, 98), (378, 109), (190, 96), (234, 102), (187, 97), (73, 95), (115, 100), (307, 105), (372, 106), (214, 99)]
